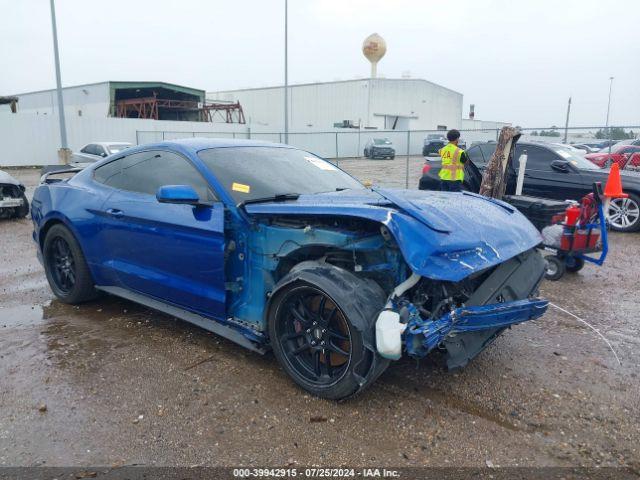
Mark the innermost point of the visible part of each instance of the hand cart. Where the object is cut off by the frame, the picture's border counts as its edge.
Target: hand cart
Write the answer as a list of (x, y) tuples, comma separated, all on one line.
[(579, 239)]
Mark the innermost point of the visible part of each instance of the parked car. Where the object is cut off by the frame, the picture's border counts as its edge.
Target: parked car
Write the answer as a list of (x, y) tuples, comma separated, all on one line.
[(552, 172), (379, 148), (621, 153), (273, 247), (434, 142), (619, 143), (586, 148), (13, 201), (92, 152)]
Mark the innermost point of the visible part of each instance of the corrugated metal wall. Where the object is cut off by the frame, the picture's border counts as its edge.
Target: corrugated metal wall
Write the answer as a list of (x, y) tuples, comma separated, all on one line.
[(316, 107), (85, 100)]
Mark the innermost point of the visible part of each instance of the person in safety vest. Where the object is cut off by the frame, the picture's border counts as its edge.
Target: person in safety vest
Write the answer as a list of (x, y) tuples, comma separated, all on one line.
[(453, 159)]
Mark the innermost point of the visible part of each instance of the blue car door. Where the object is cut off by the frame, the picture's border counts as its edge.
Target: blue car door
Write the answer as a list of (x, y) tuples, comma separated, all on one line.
[(173, 252)]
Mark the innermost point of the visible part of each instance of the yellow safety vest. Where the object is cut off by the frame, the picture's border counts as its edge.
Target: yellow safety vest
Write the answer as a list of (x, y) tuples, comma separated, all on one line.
[(452, 169)]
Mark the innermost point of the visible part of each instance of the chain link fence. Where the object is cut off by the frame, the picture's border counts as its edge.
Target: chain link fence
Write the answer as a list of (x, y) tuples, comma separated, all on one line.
[(346, 148)]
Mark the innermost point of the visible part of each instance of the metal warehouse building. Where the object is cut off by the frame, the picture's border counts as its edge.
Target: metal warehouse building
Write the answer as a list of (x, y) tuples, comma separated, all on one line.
[(380, 103)]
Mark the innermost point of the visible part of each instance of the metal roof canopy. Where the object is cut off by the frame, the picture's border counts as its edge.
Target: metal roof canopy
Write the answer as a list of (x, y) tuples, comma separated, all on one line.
[(157, 86), (155, 100)]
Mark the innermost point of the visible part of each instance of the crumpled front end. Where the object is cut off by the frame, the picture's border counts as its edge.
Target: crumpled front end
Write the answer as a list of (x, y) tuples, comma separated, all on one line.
[(465, 317), (422, 336)]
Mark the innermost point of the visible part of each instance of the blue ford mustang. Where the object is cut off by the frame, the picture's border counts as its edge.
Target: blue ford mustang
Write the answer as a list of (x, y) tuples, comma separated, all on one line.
[(275, 248)]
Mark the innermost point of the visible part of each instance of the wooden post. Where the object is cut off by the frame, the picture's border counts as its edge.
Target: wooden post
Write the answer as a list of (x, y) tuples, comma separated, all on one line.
[(493, 180)]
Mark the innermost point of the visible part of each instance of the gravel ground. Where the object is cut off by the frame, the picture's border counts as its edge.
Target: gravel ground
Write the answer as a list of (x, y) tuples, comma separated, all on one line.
[(113, 383)]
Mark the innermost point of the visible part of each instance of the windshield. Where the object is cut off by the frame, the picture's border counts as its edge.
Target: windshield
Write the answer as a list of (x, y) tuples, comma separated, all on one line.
[(118, 147), (576, 159), (381, 141), (249, 173)]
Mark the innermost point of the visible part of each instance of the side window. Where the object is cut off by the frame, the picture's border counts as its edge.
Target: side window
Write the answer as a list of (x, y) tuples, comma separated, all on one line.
[(487, 151), (538, 158), (630, 149), (87, 149), (475, 155), (98, 150), (145, 172), (109, 173)]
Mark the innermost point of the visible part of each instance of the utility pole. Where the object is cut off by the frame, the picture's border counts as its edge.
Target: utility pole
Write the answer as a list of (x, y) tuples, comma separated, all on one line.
[(566, 123), (608, 109), (286, 73), (64, 153)]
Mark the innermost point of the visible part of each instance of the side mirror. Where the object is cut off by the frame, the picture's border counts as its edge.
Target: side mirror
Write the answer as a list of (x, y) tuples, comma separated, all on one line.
[(103, 154), (560, 166), (181, 194)]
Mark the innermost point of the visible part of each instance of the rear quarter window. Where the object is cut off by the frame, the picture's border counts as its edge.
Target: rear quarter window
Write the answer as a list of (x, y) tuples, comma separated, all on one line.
[(109, 173)]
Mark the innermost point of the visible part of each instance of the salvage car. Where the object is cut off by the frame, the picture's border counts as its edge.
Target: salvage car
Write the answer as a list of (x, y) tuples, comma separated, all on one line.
[(92, 152), (275, 248), (379, 148), (13, 200), (552, 171)]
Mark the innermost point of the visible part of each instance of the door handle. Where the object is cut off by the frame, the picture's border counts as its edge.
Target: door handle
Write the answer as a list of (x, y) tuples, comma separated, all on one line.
[(114, 212)]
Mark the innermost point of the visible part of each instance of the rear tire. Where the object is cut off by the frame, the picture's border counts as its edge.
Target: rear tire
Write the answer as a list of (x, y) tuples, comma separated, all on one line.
[(66, 268), (321, 324), (574, 264)]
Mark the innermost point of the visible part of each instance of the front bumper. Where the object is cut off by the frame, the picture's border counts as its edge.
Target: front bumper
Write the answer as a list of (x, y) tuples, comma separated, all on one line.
[(10, 202), (422, 336), (386, 152)]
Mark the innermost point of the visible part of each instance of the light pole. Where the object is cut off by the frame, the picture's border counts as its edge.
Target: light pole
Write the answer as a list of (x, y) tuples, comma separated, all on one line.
[(286, 73), (566, 123), (64, 152), (608, 109)]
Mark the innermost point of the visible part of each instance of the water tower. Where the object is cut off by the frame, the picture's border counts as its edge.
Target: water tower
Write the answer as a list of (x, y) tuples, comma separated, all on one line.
[(374, 47)]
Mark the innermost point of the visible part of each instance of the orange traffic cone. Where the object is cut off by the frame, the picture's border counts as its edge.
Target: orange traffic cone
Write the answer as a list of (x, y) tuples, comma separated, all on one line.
[(613, 189)]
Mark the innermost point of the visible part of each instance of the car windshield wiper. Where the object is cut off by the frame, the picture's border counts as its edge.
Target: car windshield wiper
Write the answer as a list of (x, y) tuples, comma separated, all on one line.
[(278, 197)]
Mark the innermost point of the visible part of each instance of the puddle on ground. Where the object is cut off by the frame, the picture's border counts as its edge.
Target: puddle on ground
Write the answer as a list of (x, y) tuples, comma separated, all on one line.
[(21, 316)]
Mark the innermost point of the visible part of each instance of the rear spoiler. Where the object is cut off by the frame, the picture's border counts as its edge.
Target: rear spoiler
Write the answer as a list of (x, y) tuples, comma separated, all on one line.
[(45, 178)]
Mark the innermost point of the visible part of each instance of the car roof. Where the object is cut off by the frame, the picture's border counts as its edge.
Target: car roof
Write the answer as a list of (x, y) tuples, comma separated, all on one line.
[(194, 145)]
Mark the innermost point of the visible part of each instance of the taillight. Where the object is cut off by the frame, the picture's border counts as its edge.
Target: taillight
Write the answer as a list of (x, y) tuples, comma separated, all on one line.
[(426, 168)]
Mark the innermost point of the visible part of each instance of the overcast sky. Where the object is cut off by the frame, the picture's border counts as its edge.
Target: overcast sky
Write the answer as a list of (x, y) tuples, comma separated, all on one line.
[(516, 61)]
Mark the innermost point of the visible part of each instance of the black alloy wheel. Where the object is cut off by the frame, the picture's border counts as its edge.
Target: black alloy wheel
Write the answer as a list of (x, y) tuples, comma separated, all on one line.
[(65, 266), (62, 265), (314, 336)]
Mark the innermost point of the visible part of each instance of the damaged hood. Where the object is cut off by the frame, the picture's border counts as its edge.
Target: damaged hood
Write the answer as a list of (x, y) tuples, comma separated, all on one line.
[(445, 236), (8, 179)]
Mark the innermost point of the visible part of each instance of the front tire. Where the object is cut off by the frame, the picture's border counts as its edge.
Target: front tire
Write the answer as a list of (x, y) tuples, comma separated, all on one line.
[(624, 213), (555, 268), (322, 330), (66, 268)]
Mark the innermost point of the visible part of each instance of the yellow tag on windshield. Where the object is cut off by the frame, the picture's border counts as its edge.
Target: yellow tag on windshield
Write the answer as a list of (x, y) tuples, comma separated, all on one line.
[(240, 187)]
